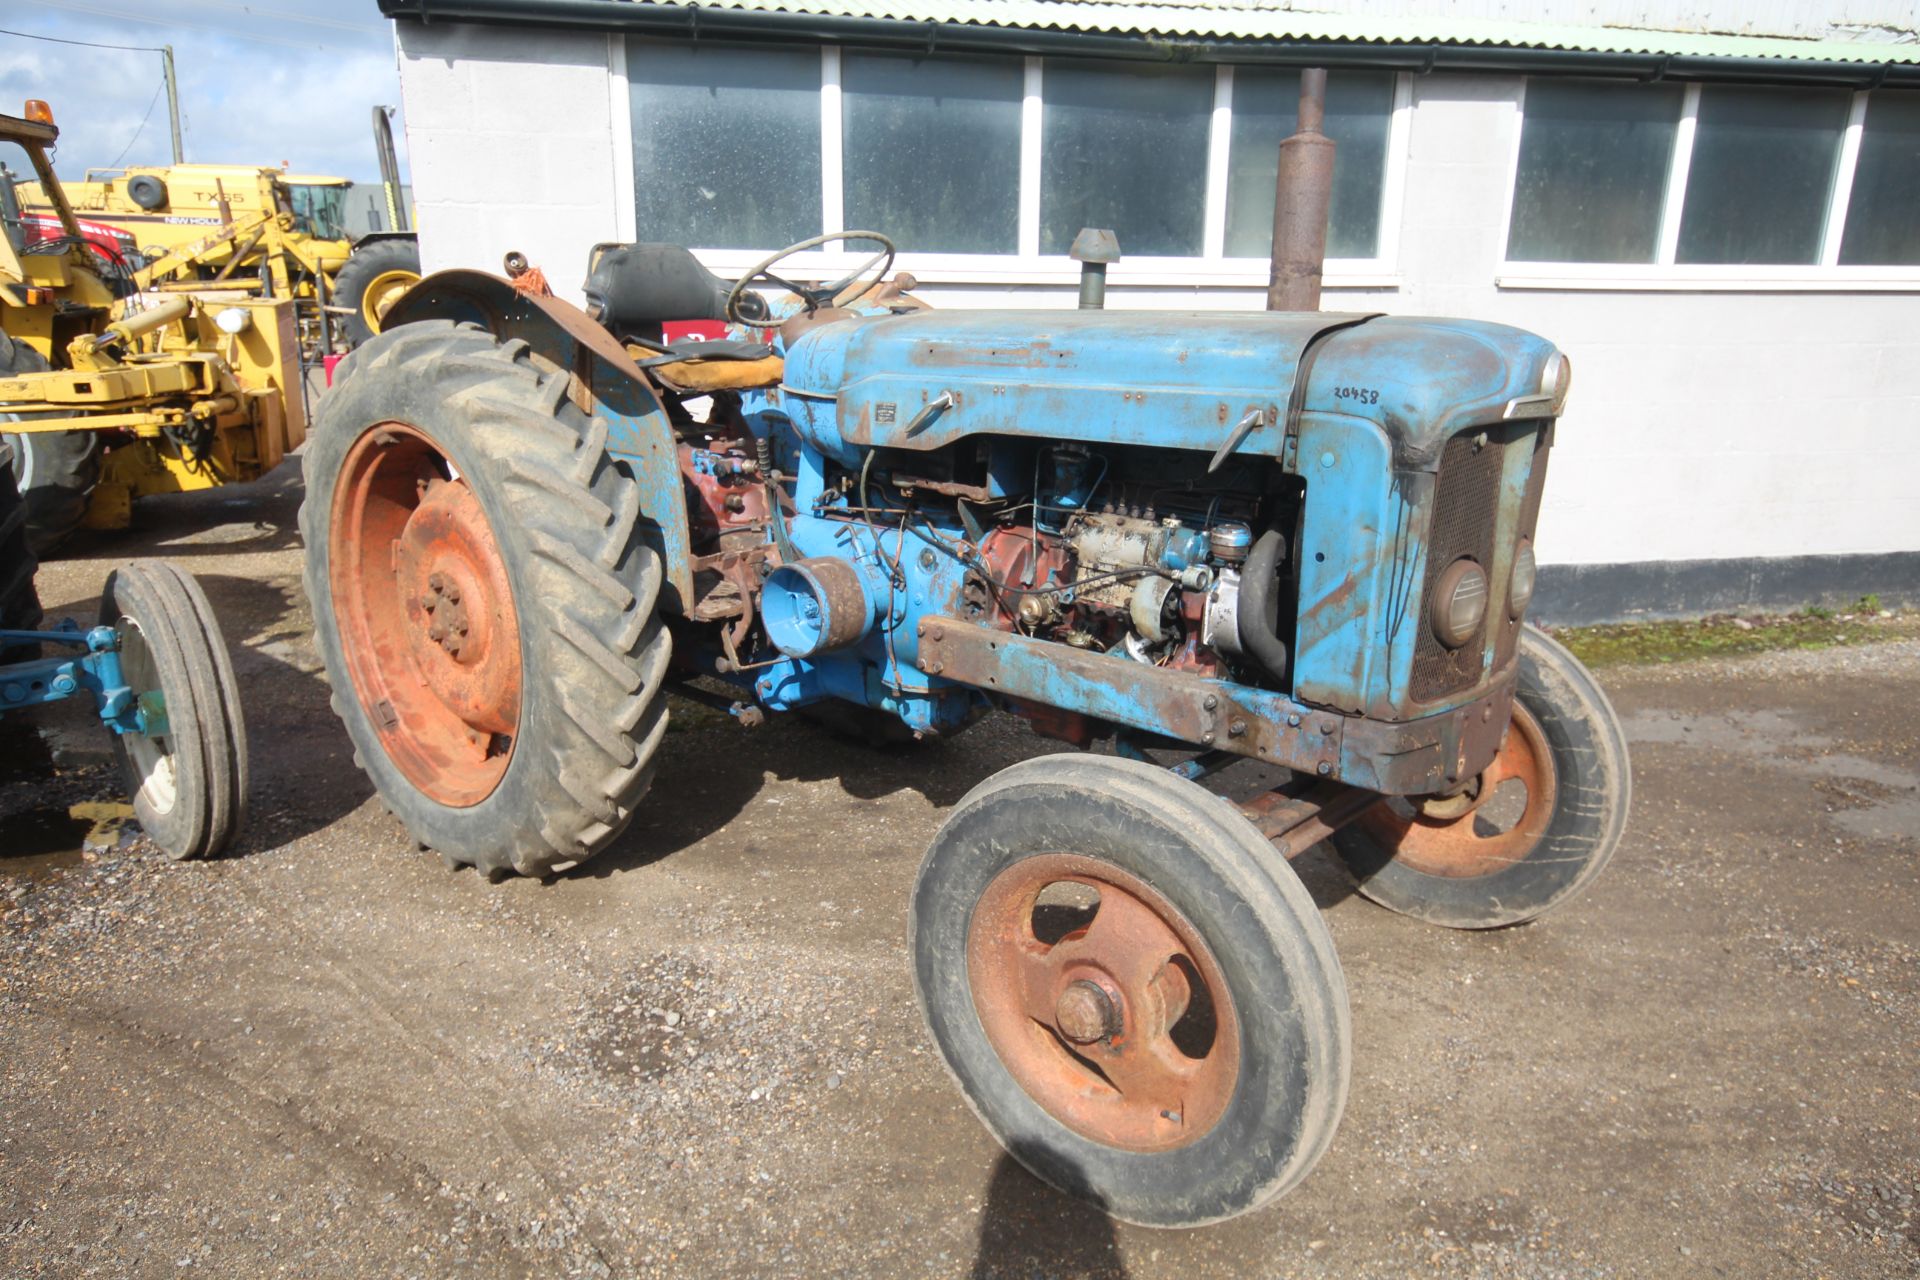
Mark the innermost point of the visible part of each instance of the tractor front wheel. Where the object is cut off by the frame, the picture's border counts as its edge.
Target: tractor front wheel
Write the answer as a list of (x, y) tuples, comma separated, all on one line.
[(483, 599), (1531, 831), (1135, 992)]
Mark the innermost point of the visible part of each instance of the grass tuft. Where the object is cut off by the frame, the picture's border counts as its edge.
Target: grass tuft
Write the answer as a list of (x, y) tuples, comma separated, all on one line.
[(1725, 635)]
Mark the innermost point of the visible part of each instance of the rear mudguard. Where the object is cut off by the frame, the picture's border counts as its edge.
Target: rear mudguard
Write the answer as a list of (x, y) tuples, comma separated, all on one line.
[(607, 383)]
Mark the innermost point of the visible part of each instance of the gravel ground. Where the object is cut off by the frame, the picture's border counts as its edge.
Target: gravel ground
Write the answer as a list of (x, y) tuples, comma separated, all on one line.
[(699, 1055)]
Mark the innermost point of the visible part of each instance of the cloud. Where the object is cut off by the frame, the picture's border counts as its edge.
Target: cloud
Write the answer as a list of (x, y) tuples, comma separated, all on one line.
[(260, 82)]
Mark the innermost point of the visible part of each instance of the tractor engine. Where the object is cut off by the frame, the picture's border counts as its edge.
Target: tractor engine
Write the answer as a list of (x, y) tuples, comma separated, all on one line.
[(1129, 552), (1132, 567)]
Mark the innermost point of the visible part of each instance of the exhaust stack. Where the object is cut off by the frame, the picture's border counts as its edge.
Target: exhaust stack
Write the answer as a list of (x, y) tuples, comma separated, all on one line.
[(1093, 249), (1303, 196)]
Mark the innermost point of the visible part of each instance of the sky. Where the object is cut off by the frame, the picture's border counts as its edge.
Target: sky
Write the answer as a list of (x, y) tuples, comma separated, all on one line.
[(261, 81)]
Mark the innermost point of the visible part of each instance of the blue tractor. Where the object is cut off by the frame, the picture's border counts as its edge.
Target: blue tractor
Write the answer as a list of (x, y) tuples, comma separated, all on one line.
[(1304, 539)]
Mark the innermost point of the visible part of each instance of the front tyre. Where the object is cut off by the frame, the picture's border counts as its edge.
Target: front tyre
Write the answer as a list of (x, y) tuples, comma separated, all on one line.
[(1532, 831), (483, 600), (1136, 994), (185, 765)]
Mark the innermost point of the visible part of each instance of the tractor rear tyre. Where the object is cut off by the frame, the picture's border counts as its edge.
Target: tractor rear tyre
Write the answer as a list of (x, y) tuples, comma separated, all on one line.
[(1134, 991), (374, 276), (1532, 831), (56, 471), (19, 602), (483, 599), (187, 771)]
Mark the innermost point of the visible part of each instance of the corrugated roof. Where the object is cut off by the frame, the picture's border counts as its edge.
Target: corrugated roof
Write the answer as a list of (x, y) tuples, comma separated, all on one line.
[(1261, 20)]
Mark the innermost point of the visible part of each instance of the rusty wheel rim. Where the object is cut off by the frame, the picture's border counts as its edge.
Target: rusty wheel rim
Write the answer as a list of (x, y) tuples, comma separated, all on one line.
[(426, 615), (1122, 1028), (1455, 838)]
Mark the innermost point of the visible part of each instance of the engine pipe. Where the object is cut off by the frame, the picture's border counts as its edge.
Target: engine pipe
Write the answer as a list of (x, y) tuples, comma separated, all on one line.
[(1093, 249), (1302, 201), (1259, 614)]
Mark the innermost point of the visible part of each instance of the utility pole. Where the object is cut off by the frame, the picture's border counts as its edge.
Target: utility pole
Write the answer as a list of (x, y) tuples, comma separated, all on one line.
[(173, 101)]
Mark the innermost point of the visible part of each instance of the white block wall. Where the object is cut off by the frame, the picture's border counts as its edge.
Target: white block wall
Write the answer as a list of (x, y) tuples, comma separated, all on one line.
[(510, 134), (1703, 426)]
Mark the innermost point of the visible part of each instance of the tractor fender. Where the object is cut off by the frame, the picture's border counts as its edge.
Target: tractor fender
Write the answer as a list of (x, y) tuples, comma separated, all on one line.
[(606, 383)]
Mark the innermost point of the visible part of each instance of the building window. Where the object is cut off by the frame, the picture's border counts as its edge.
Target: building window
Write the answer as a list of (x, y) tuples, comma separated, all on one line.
[(1761, 177), (1124, 147), (983, 169), (1265, 106), (1883, 215), (1714, 186), (1592, 171), (931, 150), (726, 143)]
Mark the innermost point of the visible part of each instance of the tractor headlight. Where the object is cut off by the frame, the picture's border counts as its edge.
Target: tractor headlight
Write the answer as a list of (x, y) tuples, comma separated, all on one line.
[(1460, 603), (1525, 573)]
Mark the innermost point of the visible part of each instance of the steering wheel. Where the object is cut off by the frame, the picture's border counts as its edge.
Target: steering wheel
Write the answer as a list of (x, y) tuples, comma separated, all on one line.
[(815, 296)]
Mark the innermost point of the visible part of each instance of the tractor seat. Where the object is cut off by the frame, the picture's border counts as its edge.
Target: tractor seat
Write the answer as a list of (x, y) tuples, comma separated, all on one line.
[(636, 288), (700, 368)]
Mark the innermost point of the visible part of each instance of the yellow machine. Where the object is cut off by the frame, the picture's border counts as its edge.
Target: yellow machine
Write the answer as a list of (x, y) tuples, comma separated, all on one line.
[(278, 234), (112, 392)]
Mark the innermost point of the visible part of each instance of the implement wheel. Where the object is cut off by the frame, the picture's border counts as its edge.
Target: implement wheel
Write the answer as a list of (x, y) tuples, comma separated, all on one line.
[(186, 769), (1134, 991), (483, 599), (1530, 832), (374, 277), (55, 470)]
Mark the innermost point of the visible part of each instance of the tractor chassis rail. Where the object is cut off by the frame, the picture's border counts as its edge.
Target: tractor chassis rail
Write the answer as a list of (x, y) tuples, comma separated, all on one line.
[(1296, 819), (1413, 757)]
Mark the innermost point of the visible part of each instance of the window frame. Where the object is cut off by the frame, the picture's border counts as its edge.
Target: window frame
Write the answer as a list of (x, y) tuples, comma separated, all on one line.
[(1028, 266), (1664, 274)]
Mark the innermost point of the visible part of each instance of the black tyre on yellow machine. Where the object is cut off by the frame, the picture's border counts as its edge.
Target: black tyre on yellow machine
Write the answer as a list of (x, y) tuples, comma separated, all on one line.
[(375, 275), (55, 471)]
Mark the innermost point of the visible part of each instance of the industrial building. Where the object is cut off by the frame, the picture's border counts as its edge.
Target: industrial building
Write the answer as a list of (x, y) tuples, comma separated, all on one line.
[(1708, 205)]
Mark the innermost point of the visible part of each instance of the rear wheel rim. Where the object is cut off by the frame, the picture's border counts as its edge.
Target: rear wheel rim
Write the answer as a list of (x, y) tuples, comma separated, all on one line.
[(1454, 838), (426, 615), (1122, 1029)]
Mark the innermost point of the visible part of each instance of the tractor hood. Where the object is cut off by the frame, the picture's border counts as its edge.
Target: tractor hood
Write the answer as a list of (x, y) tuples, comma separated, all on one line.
[(1179, 380)]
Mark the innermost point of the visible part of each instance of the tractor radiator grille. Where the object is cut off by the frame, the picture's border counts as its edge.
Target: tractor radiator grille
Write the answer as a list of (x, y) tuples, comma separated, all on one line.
[(1540, 442), (1466, 506)]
